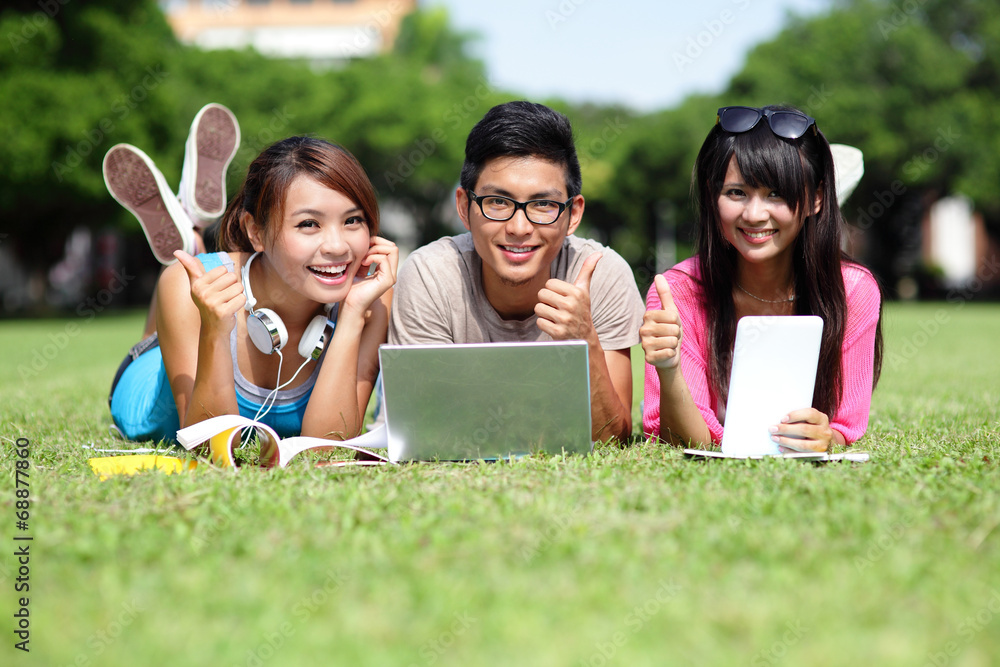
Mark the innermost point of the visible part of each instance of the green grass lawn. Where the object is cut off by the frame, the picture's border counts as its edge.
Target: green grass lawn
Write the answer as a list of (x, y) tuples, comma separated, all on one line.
[(630, 556)]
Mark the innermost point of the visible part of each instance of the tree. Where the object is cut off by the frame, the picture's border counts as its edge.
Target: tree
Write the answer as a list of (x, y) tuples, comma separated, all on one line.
[(913, 85), (651, 186), (79, 77), (407, 114), (74, 79)]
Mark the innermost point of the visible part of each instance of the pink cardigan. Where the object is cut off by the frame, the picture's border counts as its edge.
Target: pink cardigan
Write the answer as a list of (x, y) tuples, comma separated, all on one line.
[(851, 417)]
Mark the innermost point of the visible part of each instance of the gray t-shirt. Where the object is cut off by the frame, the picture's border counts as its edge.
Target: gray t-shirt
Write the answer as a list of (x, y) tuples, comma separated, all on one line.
[(439, 298)]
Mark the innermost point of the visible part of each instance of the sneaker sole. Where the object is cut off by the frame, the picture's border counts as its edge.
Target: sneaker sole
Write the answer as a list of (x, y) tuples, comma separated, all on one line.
[(134, 186), (217, 138)]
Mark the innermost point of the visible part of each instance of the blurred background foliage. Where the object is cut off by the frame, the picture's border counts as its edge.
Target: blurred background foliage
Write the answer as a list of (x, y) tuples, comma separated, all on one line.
[(912, 83)]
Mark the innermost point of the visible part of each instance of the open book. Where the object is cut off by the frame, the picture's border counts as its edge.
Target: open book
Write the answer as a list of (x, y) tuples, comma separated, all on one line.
[(223, 432)]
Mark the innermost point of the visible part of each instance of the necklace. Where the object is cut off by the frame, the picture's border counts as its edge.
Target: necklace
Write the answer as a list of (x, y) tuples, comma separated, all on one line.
[(754, 296)]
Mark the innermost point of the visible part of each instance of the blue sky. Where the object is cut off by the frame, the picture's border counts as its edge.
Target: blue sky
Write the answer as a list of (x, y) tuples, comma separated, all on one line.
[(646, 54)]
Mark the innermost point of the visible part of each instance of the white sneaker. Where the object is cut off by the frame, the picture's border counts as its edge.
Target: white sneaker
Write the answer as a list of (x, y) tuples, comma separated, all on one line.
[(210, 147), (135, 183)]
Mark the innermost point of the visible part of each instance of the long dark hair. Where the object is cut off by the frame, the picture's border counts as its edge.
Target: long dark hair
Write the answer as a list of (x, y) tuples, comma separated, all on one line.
[(269, 176), (797, 169)]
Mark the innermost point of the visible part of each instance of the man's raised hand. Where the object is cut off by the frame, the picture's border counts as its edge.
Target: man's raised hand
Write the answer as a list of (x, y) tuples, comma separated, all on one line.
[(563, 308)]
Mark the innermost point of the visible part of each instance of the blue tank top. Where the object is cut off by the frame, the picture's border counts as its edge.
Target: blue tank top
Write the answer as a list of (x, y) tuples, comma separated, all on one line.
[(289, 405)]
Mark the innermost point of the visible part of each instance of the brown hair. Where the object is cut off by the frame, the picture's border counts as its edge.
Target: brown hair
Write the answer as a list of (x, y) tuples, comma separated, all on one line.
[(269, 176)]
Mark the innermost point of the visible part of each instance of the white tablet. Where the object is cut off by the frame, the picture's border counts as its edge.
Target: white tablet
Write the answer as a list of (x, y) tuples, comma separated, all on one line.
[(774, 372)]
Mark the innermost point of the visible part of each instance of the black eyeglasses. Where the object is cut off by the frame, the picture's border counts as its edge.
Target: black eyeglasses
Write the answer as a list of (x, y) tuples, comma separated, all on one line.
[(537, 211), (787, 124)]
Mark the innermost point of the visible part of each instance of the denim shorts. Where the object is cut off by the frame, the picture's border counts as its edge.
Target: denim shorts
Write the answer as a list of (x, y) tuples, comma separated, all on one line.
[(141, 402)]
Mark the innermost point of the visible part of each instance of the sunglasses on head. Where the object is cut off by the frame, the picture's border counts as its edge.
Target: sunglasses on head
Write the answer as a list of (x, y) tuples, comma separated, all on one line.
[(787, 124)]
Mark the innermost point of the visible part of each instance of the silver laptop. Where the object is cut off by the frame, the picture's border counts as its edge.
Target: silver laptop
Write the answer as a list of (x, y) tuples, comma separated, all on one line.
[(486, 401)]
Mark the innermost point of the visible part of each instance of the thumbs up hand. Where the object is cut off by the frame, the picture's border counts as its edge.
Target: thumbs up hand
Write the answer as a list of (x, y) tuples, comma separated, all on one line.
[(587, 273), (218, 294), (660, 333), (563, 308)]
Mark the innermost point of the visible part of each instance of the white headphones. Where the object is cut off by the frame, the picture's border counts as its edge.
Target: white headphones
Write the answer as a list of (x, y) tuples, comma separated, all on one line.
[(268, 332)]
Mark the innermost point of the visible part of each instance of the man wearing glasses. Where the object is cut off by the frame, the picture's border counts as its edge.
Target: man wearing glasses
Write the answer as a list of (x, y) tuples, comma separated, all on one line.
[(519, 274)]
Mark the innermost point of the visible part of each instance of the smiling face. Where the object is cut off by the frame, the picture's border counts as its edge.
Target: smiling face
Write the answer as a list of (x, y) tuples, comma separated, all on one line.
[(318, 247), (517, 254), (757, 221)]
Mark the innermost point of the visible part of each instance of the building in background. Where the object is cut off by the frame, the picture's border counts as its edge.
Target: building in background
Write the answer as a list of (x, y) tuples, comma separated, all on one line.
[(324, 32)]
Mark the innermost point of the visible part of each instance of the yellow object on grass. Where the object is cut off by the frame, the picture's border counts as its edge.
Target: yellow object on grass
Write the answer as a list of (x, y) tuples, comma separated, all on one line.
[(221, 447), (108, 466)]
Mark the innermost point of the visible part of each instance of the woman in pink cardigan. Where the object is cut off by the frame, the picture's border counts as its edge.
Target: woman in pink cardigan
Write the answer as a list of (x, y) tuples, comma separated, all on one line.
[(769, 243)]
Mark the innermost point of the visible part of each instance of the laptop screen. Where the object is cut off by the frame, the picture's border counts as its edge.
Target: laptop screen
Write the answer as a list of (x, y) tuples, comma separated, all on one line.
[(486, 401)]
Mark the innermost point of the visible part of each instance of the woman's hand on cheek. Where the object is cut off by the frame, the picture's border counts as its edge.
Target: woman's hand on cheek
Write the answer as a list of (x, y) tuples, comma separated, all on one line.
[(370, 284), (218, 294), (806, 430)]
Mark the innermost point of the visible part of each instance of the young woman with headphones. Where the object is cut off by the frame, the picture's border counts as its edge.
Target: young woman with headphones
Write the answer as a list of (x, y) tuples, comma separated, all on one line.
[(304, 276)]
